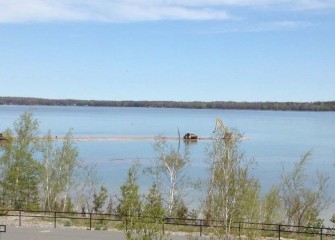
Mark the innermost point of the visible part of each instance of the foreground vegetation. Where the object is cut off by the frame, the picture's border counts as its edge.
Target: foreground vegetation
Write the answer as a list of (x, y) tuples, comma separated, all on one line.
[(284, 106), (42, 174)]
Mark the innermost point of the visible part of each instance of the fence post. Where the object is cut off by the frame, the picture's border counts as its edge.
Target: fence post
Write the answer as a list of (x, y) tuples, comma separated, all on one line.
[(126, 224), (55, 219), (321, 234), (20, 218), (163, 227), (239, 230), (279, 231), (90, 221), (201, 223)]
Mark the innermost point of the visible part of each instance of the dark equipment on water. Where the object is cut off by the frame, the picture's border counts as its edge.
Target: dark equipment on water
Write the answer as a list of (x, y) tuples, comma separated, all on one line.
[(190, 136), (3, 138)]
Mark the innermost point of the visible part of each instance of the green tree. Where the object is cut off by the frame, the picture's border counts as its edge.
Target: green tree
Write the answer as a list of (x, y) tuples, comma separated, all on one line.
[(50, 189), (303, 204), (169, 172), (332, 219), (130, 205), (59, 165), (110, 206), (88, 182), (232, 194), (272, 206), (99, 199), (67, 165), (152, 215), (20, 172), (141, 219)]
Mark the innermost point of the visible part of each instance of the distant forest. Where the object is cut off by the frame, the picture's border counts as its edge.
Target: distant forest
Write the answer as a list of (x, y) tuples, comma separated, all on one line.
[(283, 106)]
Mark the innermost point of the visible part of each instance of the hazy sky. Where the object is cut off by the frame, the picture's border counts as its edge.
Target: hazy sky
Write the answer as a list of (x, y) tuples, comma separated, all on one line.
[(181, 50)]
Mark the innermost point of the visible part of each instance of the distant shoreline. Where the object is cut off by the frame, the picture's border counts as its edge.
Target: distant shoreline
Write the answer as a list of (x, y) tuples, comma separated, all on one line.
[(274, 106)]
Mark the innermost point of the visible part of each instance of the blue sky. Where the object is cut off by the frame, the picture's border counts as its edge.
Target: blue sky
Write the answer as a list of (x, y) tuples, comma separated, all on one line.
[(181, 50)]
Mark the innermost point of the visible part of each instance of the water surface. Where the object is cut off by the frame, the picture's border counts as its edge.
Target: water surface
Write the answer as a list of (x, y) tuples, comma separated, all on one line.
[(275, 138)]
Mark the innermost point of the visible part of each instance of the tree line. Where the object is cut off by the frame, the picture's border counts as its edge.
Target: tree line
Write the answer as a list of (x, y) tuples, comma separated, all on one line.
[(45, 174), (282, 106)]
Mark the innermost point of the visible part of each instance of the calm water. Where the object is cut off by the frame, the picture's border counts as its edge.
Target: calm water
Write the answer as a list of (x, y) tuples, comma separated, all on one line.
[(275, 138)]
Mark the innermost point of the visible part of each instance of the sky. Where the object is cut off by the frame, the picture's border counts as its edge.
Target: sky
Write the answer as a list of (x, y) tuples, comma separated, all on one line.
[(178, 50)]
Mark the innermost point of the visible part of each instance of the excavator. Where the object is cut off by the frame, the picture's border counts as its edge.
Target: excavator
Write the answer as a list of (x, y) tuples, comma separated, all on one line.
[(228, 135), (3, 138), (190, 136)]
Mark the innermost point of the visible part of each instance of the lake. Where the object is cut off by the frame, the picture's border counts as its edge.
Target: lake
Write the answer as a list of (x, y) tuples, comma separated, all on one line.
[(275, 139)]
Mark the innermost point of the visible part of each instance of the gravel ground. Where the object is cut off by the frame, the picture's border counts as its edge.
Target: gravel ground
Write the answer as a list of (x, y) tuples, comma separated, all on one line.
[(34, 229), (37, 233)]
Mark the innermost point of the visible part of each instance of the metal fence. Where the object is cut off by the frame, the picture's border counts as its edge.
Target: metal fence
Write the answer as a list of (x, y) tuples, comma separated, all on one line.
[(200, 226)]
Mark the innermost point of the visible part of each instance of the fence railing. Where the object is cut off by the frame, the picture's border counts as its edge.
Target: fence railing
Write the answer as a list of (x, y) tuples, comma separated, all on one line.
[(198, 225)]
